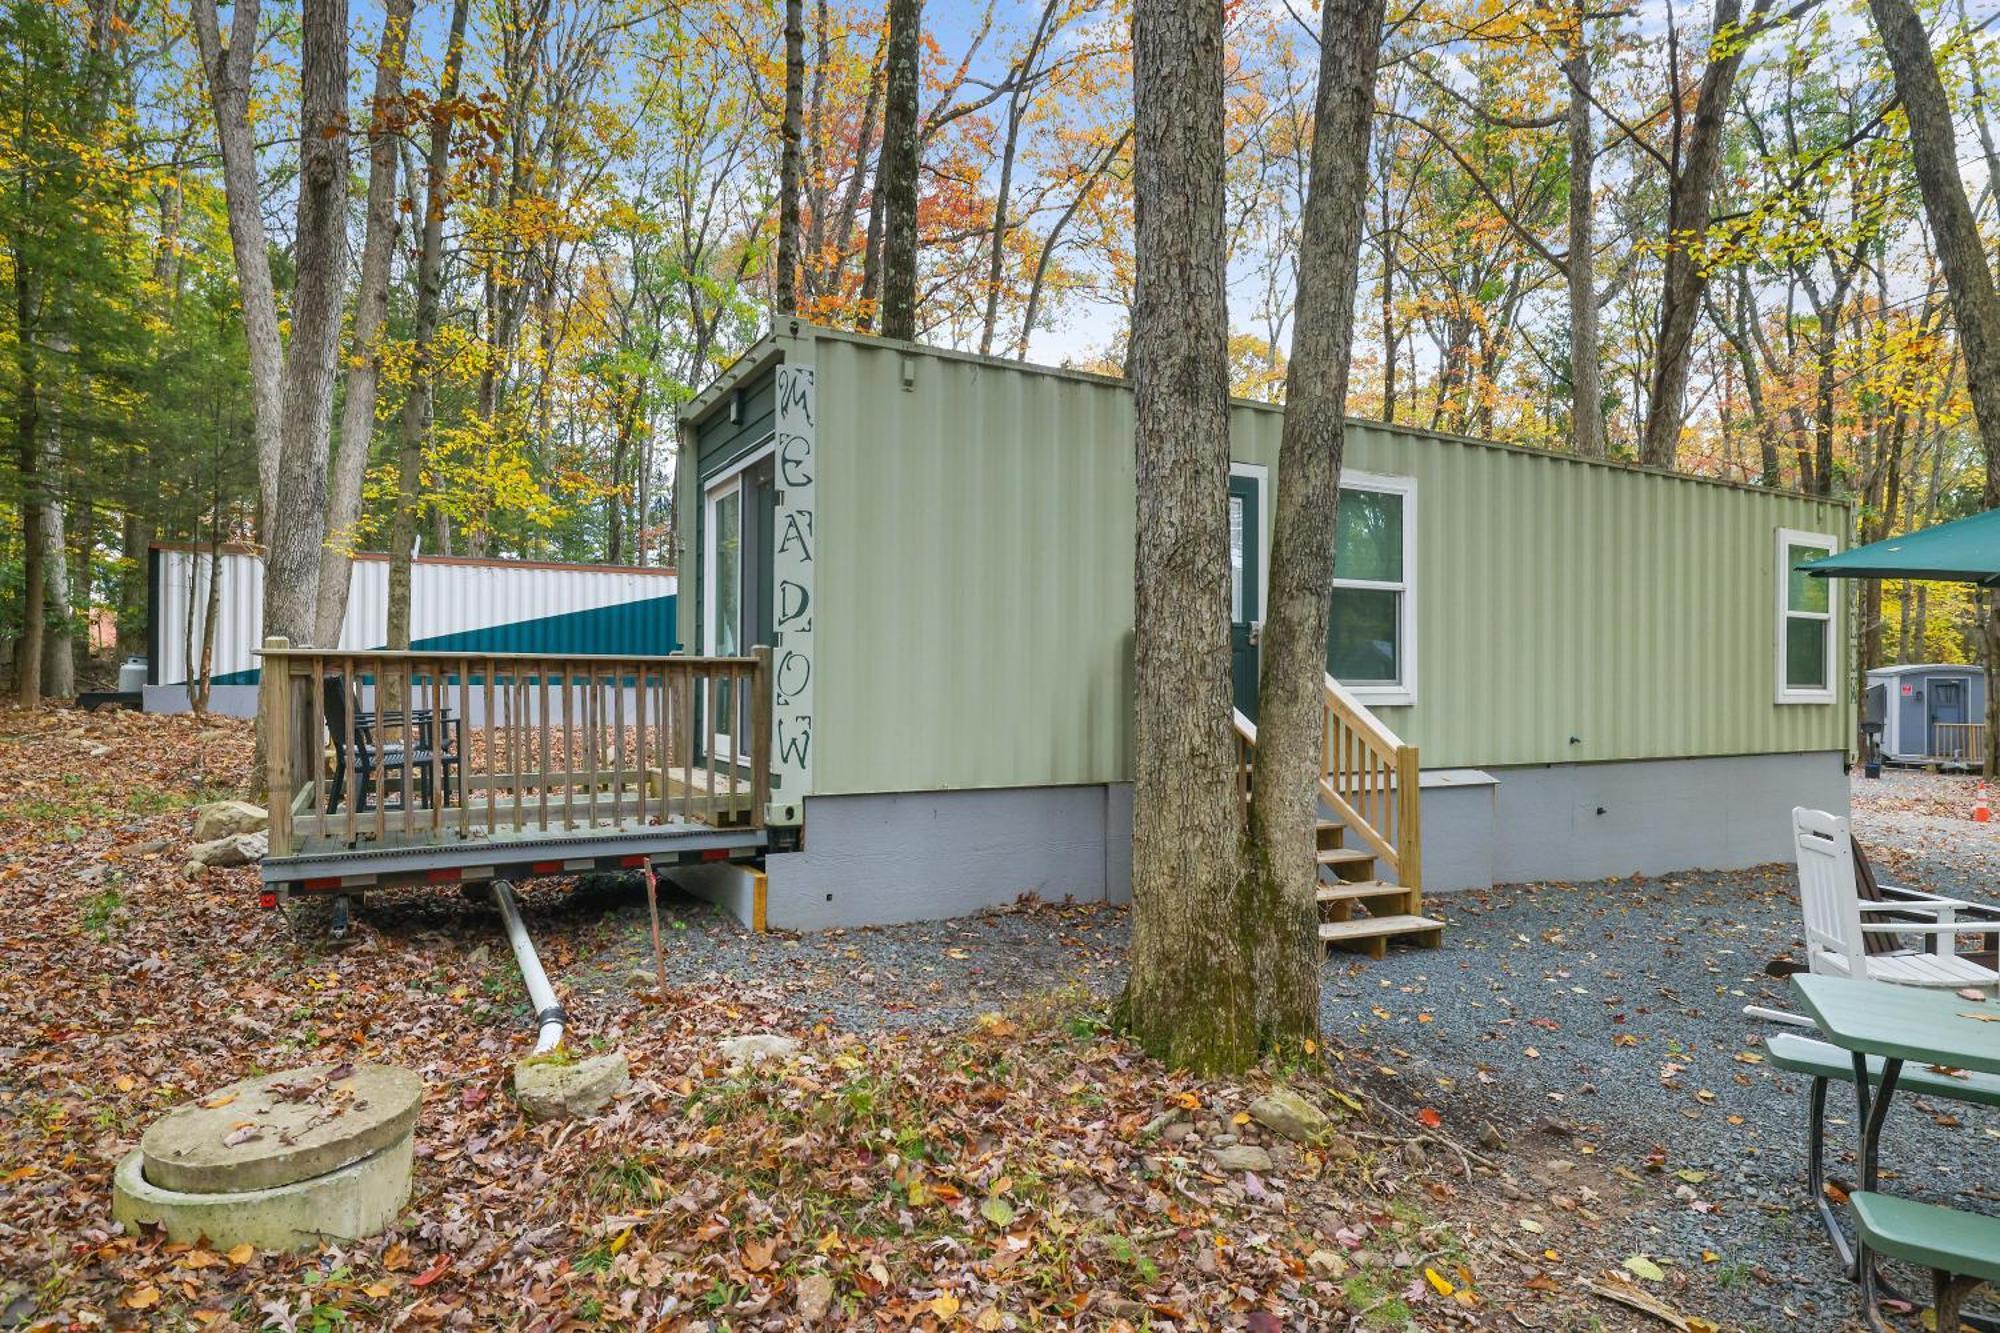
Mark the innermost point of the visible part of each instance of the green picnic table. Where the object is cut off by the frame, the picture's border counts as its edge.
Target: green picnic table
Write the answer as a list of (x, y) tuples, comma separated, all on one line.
[(1895, 1024)]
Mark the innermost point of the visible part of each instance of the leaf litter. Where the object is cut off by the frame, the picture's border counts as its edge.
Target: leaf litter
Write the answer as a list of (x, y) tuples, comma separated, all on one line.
[(1020, 1171)]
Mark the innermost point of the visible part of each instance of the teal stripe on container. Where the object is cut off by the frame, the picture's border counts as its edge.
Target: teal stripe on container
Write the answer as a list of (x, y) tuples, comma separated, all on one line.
[(644, 628)]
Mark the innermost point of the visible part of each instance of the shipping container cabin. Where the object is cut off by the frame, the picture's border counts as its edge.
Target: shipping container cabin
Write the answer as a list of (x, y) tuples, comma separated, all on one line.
[(1931, 713), (1540, 666)]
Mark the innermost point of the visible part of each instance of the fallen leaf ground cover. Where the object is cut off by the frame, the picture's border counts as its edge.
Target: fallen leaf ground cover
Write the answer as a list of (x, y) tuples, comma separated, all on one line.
[(1022, 1169)]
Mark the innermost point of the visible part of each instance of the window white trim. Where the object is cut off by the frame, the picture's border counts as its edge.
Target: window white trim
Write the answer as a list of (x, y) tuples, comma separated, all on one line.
[(1790, 694), (730, 483), (743, 464), (1403, 692)]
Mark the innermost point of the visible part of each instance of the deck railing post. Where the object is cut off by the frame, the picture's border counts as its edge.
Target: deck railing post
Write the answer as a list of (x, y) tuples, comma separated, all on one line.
[(1409, 822), (760, 736), (274, 702)]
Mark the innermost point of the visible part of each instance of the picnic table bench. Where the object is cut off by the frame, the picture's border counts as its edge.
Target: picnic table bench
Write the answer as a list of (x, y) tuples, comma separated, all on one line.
[(1825, 1063), (1879, 1028)]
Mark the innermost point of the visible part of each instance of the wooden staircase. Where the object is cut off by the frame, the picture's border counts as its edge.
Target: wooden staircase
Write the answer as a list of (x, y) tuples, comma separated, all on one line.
[(1368, 839)]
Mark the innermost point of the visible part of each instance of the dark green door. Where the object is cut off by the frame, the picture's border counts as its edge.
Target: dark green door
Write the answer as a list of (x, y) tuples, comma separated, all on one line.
[(1246, 602)]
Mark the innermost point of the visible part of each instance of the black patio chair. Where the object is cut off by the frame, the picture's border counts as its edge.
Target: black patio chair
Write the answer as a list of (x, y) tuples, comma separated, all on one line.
[(379, 756)]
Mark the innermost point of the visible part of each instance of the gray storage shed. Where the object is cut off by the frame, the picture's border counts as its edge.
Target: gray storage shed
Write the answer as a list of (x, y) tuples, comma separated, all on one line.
[(1930, 712)]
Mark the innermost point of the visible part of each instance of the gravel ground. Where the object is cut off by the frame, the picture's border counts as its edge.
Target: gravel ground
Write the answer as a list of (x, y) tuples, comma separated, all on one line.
[(1594, 1028), (933, 974), (1602, 1022)]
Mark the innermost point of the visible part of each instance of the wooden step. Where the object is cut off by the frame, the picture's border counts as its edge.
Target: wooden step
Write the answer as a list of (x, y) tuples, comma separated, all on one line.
[(1350, 890), (1343, 856), (1369, 934)]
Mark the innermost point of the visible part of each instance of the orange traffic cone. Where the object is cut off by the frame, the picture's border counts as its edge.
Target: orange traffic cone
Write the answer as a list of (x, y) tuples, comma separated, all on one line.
[(1981, 811)]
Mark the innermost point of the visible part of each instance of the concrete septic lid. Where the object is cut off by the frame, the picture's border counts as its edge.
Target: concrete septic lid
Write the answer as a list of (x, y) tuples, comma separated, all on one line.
[(280, 1129)]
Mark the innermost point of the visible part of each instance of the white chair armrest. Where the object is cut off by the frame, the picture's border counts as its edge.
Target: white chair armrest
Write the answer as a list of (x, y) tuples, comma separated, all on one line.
[(1917, 896), (1944, 912)]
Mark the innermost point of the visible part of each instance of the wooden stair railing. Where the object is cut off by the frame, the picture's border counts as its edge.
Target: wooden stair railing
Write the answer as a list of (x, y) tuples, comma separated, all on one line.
[(1371, 784), (1963, 742)]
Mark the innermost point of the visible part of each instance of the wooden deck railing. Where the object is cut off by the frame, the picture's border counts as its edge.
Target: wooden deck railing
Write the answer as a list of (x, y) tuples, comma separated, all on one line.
[(1963, 741), (426, 748), (1368, 777)]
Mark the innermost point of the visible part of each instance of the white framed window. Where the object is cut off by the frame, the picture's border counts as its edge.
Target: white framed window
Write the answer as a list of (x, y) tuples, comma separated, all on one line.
[(1808, 619), (722, 593), (1371, 633)]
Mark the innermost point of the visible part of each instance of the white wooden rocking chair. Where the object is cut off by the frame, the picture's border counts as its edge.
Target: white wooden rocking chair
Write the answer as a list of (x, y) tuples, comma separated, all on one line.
[(1835, 942)]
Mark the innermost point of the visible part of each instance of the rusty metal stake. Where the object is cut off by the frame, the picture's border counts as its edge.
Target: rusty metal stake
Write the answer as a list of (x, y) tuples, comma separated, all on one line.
[(653, 908)]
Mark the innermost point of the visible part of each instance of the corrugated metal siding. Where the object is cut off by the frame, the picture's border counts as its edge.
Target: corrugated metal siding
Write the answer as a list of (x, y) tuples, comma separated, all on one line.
[(454, 607), (1633, 611), (975, 598), (974, 576)]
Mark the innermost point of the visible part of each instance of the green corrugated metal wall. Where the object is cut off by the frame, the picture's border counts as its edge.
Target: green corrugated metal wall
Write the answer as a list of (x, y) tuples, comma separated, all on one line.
[(1556, 598), (974, 598)]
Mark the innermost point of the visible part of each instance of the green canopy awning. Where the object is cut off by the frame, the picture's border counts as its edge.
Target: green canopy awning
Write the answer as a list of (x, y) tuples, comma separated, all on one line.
[(1965, 550)]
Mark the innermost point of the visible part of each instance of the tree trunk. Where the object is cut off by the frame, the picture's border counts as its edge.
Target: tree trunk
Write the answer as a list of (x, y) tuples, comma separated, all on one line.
[(202, 677), (58, 607), (1586, 374), (1191, 998), (228, 71), (1974, 302), (134, 546), (28, 457), (1278, 905), (1388, 321), (902, 147), (1032, 305), (371, 307), (1687, 223), (298, 525), (1023, 76), (415, 422), (788, 171)]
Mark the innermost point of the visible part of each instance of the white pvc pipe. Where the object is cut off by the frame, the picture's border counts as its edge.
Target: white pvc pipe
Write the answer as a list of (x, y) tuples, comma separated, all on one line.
[(549, 1015)]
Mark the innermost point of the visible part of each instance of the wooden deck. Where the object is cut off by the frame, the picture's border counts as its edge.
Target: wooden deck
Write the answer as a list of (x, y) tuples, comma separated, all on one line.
[(402, 766)]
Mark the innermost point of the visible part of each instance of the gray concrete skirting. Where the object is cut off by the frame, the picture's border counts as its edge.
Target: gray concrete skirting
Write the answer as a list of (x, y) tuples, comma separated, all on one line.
[(926, 856), (920, 856), (355, 1202)]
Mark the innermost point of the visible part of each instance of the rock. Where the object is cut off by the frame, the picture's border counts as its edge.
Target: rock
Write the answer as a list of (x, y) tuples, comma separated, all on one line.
[(1242, 1157), (755, 1048), (237, 849), (1327, 1264), (815, 1297), (555, 1090), (1285, 1112), (221, 819)]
